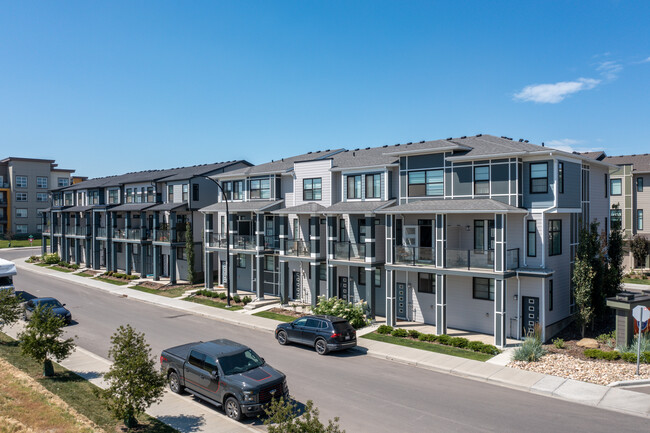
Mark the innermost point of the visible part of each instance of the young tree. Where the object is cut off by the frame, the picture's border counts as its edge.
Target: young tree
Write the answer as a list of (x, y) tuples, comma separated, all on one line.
[(639, 248), (134, 383), (583, 277), (189, 251), (42, 341), (591, 250), (10, 308), (283, 417), (614, 273)]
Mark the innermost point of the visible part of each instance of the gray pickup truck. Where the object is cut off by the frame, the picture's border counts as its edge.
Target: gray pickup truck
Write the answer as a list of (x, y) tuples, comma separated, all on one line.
[(224, 373)]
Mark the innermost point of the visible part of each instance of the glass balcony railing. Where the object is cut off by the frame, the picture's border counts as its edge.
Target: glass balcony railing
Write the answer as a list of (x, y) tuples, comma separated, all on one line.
[(271, 242), (243, 242), (350, 251), (415, 256), (480, 259), (512, 258), (78, 231), (181, 236), (101, 232), (217, 240), (46, 230), (134, 234), (298, 248), (119, 233), (162, 236)]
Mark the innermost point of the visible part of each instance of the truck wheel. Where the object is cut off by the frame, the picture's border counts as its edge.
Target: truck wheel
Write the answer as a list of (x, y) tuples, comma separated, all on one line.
[(321, 346), (233, 409), (174, 383), (282, 338)]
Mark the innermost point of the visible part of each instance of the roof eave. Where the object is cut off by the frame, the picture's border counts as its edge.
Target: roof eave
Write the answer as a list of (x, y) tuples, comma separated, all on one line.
[(431, 150)]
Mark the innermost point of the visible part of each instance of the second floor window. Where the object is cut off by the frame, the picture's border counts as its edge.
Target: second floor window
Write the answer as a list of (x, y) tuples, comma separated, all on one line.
[(481, 180), (195, 192), (639, 184), (616, 218), (21, 181), (151, 197), (312, 189), (185, 192), (260, 188), (560, 177), (426, 183), (170, 194), (93, 197), (639, 219), (539, 178), (373, 185), (41, 196), (113, 196), (555, 237), (21, 213), (41, 182), (354, 187), (615, 186), (531, 238), (68, 199), (129, 195), (63, 181)]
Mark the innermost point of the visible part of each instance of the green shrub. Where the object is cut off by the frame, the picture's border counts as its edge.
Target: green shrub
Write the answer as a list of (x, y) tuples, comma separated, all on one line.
[(608, 339), (236, 298), (399, 333), (384, 329), (628, 356), (414, 334), (459, 342), (52, 259), (246, 300), (353, 313), (444, 339), (475, 346), (490, 349), (531, 350), (559, 343), (75, 266), (222, 296), (602, 354)]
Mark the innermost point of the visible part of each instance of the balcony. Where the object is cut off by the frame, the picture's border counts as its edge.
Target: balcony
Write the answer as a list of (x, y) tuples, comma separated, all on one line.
[(415, 256), (271, 242), (181, 236), (478, 259), (512, 258), (298, 248), (46, 229), (242, 242), (350, 251), (101, 232), (119, 233), (162, 236), (134, 234), (78, 230), (217, 240)]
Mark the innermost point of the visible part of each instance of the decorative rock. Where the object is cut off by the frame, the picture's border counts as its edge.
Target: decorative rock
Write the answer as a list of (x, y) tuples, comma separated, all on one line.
[(588, 343)]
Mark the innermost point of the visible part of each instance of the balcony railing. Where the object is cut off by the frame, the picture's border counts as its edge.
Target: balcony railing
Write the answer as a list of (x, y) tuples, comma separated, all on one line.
[(349, 251), (57, 230), (415, 256), (78, 230), (512, 258), (243, 242), (134, 234), (101, 232), (119, 233), (298, 248), (218, 240), (480, 259), (46, 229), (271, 242), (162, 236), (181, 236)]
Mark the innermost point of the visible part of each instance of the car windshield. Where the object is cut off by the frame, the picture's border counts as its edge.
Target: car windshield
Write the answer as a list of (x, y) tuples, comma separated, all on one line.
[(240, 362), (5, 281), (53, 303)]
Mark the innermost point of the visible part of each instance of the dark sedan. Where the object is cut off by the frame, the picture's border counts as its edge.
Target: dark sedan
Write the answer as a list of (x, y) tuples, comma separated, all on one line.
[(57, 308), (323, 333)]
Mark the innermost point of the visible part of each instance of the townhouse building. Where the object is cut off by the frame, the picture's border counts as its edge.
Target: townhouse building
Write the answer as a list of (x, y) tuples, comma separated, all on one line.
[(630, 198), (25, 184)]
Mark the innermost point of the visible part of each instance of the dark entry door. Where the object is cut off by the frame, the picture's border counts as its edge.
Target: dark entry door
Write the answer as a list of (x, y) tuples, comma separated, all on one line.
[(343, 288), (401, 301), (296, 285), (530, 313), (426, 234)]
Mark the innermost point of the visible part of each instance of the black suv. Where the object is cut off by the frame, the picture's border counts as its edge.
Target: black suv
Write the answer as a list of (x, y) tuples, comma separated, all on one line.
[(323, 333)]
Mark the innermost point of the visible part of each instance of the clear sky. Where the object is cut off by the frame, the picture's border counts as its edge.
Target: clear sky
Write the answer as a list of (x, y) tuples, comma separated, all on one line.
[(110, 87)]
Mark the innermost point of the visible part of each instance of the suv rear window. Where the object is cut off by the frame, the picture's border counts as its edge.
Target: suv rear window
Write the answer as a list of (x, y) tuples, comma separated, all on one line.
[(5, 281), (342, 327)]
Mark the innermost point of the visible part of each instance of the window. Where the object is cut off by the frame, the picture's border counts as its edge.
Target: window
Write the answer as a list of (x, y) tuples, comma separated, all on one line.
[(21, 213), (185, 192), (296, 229), (151, 197), (260, 188), (426, 283), (196, 359), (129, 195), (113, 196), (195, 192), (39, 228), (639, 219), (21, 196), (269, 263), (615, 186), (606, 184), (539, 178), (180, 253), (426, 183), (550, 295), (241, 261), (342, 233), (93, 197), (482, 180), (354, 186), (234, 190), (560, 177), (483, 288), (377, 277), (373, 186), (615, 216), (138, 195), (21, 228), (479, 234), (41, 196), (312, 189), (21, 181), (41, 182), (531, 239), (639, 184), (322, 272), (62, 181), (555, 237), (68, 199), (362, 277), (170, 193)]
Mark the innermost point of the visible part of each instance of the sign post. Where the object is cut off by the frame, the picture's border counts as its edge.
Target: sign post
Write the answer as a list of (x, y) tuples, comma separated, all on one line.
[(641, 314), (31, 240)]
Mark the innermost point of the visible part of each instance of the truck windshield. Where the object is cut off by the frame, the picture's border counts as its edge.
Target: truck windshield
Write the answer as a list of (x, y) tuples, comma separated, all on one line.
[(5, 281), (240, 362)]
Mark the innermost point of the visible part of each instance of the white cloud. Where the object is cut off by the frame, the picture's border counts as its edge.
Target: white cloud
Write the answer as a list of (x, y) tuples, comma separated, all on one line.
[(610, 69), (556, 92), (569, 145), (646, 60)]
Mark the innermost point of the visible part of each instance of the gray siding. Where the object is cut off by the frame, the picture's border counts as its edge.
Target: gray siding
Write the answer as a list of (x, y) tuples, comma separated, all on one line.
[(572, 178), (538, 200)]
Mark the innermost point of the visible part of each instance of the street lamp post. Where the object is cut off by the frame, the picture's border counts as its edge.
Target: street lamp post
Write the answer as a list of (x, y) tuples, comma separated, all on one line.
[(225, 199)]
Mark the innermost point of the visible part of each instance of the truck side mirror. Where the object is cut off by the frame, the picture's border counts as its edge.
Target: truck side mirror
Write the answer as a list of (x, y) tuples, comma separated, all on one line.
[(214, 375)]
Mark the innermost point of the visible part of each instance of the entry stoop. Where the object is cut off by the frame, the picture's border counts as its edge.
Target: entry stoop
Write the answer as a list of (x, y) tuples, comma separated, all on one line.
[(258, 303)]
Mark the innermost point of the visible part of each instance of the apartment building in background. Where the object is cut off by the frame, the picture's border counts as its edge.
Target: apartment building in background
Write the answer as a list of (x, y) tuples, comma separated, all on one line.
[(25, 184)]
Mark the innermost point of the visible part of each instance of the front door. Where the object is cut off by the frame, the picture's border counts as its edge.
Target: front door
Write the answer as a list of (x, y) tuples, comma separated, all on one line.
[(296, 285), (401, 301), (530, 314), (343, 288)]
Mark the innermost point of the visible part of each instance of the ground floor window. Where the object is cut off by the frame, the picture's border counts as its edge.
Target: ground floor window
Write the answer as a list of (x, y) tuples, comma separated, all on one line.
[(180, 253), (426, 283), (241, 260), (21, 228), (483, 289), (362, 277)]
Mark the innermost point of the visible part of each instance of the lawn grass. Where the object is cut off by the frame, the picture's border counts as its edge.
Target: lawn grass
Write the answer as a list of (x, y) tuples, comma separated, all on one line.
[(84, 274), (56, 268), (74, 390), (636, 281), (275, 316), (42, 265), (211, 303), (171, 293), (108, 280), (431, 347), (21, 243)]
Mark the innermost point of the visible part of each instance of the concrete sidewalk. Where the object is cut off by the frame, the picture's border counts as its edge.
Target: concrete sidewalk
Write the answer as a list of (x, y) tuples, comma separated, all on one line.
[(493, 371)]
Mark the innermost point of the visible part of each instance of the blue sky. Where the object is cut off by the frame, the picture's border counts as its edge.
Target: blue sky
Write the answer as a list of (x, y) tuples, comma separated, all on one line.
[(111, 87)]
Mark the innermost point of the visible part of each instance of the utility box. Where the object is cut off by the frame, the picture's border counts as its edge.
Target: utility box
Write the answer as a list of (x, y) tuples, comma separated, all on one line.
[(623, 303)]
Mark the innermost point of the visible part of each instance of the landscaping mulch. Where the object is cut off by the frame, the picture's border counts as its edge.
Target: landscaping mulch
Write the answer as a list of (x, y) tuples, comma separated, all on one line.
[(162, 286), (287, 312), (221, 301)]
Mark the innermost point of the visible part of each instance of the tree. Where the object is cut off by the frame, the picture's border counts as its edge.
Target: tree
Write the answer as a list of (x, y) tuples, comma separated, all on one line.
[(10, 308), (42, 339), (614, 272), (134, 383), (592, 250), (189, 251), (639, 248), (283, 417), (583, 277)]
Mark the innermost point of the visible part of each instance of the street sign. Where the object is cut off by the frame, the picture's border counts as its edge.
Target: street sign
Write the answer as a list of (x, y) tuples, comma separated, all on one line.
[(31, 239), (641, 315)]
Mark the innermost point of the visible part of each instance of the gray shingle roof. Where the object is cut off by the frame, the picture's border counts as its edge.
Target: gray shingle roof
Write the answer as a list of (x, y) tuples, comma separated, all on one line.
[(168, 206), (452, 206), (307, 208), (281, 165), (368, 157), (598, 156), (197, 170), (244, 206), (640, 162), (357, 206), (78, 208)]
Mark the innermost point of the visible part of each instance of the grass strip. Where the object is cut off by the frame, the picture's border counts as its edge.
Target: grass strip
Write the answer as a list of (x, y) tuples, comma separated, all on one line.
[(211, 303), (74, 390), (57, 268), (275, 316), (42, 265), (171, 293), (431, 347), (20, 243), (636, 281), (84, 274), (108, 280)]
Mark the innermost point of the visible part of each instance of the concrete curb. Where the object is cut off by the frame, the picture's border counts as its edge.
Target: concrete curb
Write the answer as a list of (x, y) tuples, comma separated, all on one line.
[(630, 383)]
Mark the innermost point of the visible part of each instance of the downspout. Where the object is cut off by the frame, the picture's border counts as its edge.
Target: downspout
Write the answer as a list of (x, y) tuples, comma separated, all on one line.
[(524, 253), (518, 307)]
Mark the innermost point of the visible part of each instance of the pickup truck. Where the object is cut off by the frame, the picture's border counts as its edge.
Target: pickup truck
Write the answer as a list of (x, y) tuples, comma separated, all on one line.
[(223, 373)]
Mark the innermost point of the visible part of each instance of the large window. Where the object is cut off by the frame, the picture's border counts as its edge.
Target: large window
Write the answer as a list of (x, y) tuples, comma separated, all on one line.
[(21, 213), (195, 192), (129, 195), (426, 183), (639, 184), (426, 283), (531, 232), (41, 182), (21, 228), (539, 178), (151, 197), (555, 237), (312, 189), (483, 289), (373, 186), (479, 235), (41, 196), (234, 190), (185, 190), (68, 199), (639, 219), (21, 196), (21, 181), (560, 177), (113, 196), (170, 193), (354, 186), (482, 180), (62, 181), (615, 186), (93, 197), (260, 188), (616, 217)]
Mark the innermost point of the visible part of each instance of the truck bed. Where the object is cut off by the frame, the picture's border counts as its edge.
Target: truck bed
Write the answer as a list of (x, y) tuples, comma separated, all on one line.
[(180, 352)]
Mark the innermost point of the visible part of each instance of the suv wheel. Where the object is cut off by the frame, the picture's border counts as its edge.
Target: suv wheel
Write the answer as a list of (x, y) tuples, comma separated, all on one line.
[(174, 383), (282, 337), (321, 346), (233, 409)]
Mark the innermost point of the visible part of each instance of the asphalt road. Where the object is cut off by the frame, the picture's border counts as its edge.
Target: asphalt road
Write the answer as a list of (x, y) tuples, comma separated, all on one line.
[(368, 394)]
